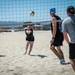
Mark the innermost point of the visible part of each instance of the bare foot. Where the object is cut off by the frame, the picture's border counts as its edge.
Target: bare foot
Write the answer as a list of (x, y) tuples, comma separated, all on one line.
[(24, 53)]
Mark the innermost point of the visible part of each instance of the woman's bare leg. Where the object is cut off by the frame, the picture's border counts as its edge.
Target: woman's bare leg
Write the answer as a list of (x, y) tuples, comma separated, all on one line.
[(27, 44), (31, 46)]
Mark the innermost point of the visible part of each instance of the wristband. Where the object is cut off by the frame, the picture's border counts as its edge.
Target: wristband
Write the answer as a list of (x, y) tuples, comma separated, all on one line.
[(53, 38)]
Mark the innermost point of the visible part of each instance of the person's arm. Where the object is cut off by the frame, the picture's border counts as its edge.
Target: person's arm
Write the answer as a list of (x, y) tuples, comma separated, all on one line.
[(65, 31), (25, 31), (66, 37), (54, 26), (31, 30)]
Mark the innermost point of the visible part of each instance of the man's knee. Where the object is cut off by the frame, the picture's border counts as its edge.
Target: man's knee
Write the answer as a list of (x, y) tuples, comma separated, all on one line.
[(52, 48)]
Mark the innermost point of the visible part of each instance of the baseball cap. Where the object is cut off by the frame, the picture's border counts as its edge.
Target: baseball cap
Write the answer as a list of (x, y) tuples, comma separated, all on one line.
[(53, 10), (71, 9)]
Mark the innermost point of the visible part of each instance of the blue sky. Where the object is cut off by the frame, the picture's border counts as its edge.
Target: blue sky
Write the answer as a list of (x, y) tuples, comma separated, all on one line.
[(18, 10)]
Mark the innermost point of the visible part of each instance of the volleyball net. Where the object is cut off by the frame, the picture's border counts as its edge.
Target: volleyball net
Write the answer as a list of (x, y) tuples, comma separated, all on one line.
[(18, 12)]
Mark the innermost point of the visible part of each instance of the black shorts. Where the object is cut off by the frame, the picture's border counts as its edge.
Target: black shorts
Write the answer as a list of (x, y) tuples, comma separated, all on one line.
[(72, 51), (58, 41), (30, 38)]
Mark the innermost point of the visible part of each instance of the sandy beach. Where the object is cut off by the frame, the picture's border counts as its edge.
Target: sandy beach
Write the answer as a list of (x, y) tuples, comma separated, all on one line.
[(42, 60)]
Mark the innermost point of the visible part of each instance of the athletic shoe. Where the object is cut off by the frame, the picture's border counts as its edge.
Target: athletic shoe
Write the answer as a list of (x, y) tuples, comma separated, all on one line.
[(62, 61)]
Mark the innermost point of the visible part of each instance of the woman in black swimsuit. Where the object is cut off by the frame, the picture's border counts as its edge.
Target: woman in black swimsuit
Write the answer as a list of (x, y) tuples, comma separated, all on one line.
[(29, 39)]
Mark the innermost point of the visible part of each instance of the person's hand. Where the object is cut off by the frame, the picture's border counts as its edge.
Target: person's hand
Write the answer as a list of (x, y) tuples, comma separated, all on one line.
[(51, 41)]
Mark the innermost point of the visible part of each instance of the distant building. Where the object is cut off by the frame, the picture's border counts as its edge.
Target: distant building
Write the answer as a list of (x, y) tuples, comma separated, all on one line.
[(17, 26), (25, 24), (8, 26), (46, 27), (38, 26)]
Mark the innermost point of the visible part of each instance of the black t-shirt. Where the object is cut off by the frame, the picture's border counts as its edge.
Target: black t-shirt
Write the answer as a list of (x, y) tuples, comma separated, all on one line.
[(29, 37), (30, 33), (58, 32)]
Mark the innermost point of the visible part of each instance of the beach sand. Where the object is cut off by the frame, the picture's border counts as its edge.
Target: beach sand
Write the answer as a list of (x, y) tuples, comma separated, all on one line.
[(42, 60)]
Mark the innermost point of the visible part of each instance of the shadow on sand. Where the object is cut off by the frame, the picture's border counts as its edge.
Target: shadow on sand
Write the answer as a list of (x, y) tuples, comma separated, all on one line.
[(66, 63), (41, 56), (2, 55)]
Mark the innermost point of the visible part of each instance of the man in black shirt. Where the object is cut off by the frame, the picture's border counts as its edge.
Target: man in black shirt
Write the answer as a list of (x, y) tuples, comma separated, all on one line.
[(57, 36)]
